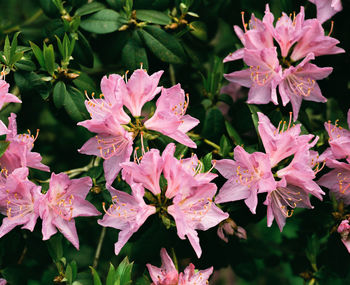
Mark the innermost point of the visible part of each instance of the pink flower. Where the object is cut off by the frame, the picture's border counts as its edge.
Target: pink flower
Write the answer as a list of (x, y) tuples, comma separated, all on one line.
[(257, 37), (6, 97), (113, 143), (194, 277), (314, 41), (196, 211), (337, 180), (234, 90), (344, 231), (263, 76), (169, 117), (326, 8), (64, 201), (282, 201), (18, 199), (167, 274), (3, 281), (339, 139), (229, 227), (283, 141), (248, 175), (18, 153), (147, 172), (139, 89), (127, 213), (300, 83), (287, 31)]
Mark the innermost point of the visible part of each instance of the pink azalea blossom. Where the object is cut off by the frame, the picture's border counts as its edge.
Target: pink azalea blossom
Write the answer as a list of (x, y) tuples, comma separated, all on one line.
[(248, 175), (5, 96), (19, 152), (139, 89), (339, 139), (300, 83), (3, 281), (263, 76), (169, 117), (229, 227), (168, 275), (286, 31), (344, 231), (196, 211), (147, 172), (18, 201), (194, 277), (337, 180), (283, 141), (256, 37), (127, 213), (234, 90), (113, 143), (282, 201), (314, 41), (327, 8), (64, 201)]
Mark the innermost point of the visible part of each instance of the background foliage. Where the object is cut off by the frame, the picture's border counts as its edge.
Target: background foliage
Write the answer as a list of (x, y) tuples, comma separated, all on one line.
[(64, 48)]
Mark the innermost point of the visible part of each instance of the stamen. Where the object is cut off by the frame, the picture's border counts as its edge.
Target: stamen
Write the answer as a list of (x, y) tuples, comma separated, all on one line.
[(331, 30), (243, 22)]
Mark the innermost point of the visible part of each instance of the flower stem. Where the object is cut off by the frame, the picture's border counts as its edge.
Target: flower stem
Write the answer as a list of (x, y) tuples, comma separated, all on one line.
[(214, 145), (99, 246)]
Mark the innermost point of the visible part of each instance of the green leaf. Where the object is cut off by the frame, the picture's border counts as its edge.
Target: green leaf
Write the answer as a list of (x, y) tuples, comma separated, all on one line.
[(7, 50), (254, 110), (38, 54), (55, 247), (207, 161), (233, 134), (59, 94), (115, 4), (49, 57), (83, 52), (85, 83), (163, 45), (111, 275), (153, 16), (213, 124), (74, 104), (69, 274), (103, 22), (124, 271), (25, 64), (225, 146), (89, 8), (14, 48), (199, 30), (97, 280), (3, 147), (133, 53)]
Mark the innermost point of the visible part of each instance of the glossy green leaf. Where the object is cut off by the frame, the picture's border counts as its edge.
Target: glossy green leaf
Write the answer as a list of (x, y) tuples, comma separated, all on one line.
[(225, 146), (163, 45), (96, 277), (83, 52), (74, 104), (59, 94), (103, 22), (124, 271), (153, 16), (85, 83), (207, 159), (111, 275), (49, 57), (25, 64), (133, 53), (213, 124), (55, 247), (89, 8), (233, 134)]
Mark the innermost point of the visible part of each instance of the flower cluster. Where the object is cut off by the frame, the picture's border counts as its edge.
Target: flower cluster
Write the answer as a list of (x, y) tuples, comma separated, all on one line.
[(22, 201), (187, 197), (337, 157), (288, 68), (167, 274), (287, 186), (116, 130)]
